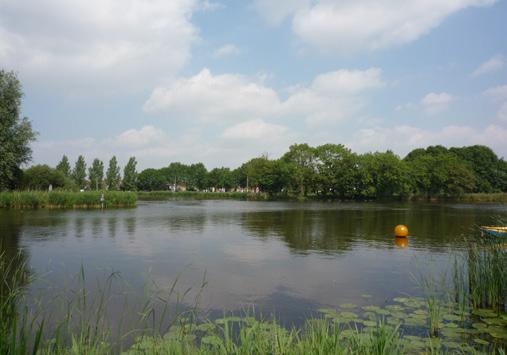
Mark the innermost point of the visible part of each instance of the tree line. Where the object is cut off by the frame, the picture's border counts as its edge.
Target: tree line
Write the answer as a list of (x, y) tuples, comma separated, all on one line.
[(334, 171), (40, 177)]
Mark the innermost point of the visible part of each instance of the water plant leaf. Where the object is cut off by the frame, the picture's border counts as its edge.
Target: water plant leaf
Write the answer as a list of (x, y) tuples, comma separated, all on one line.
[(348, 306), (481, 341), (484, 313), (371, 308)]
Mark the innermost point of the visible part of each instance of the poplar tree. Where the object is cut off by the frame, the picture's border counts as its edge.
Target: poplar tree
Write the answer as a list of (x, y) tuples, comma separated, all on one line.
[(113, 175), (64, 166), (130, 175), (79, 172), (96, 174)]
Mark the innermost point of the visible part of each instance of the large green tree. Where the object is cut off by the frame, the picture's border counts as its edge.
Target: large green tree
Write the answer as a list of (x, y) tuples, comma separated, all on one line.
[(39, 177), (79, 172), (113, 178), (64, 166), (16, 133), (96, 174), (130, 175)]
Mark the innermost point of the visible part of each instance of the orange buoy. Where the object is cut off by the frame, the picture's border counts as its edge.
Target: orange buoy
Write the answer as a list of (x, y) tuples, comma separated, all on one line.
[(401, 242), (401, 231)]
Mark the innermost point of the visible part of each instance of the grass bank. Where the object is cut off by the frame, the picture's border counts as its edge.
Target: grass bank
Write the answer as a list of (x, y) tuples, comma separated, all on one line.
[(198, 195), (66, 199), (500, 197)]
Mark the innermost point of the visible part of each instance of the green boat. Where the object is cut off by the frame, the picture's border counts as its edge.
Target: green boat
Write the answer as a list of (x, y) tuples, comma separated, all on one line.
[(492, 231)]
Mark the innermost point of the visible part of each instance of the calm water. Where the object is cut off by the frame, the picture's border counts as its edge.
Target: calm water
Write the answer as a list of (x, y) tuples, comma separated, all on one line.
[(285, 258)]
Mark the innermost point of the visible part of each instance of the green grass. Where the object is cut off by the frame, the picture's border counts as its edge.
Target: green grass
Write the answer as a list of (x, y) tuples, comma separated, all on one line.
[(197, 195), (66, 199)]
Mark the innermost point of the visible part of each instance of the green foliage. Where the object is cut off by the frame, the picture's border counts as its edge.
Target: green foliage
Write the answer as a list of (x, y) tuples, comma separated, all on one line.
[(16, 133), (301, 162), (130, 175), (437, 171), (39, 177), (79, 172), (151, 180), (113, 178), (64, 166), (96, 174), (221, 178)]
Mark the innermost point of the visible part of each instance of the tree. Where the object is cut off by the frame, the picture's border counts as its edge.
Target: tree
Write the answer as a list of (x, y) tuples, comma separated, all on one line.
[(113, 175), (130, 175), (64, 166), (96, 174), (302, 161), (39, 177), (79, 172), (16, 133), (151, 180)]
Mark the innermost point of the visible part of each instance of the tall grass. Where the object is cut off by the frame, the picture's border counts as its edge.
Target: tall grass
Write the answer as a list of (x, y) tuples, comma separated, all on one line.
[(66, 199), (487, 276)]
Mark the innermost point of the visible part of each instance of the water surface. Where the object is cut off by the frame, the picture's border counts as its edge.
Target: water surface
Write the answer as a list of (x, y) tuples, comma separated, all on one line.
[(287, 259)]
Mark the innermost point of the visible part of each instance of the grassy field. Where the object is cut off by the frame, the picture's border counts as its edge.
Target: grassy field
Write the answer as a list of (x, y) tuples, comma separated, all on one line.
[(66, 199)]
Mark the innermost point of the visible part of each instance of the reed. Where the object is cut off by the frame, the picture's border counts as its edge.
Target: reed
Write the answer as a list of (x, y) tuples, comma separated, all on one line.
[(66, 199)]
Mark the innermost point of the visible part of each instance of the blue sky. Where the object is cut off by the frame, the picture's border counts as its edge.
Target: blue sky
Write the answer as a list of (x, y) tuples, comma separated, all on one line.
[(224, 81)]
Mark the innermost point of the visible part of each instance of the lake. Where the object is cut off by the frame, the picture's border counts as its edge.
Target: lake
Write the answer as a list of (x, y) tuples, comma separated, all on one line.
[(286, 259)]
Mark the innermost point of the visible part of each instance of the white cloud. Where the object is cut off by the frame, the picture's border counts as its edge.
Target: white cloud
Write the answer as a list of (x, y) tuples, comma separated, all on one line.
[(214, 98), (347, 81), (490, 66), (105, 45), (255, 129), (497, 92), (402, 139), (434, 103), (276, 11), (143, 137), (344, 26), (227, 50), (231, 97)]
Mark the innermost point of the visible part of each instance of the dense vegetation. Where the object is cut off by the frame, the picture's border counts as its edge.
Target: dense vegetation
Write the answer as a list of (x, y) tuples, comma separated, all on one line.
[(66, 199), (333, 171)]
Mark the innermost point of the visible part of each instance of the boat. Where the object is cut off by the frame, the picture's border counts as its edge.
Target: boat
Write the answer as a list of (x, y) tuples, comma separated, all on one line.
[(493, 231)]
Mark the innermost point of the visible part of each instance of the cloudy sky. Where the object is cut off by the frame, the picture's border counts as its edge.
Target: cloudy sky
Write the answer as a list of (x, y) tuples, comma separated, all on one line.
[(227, 80)]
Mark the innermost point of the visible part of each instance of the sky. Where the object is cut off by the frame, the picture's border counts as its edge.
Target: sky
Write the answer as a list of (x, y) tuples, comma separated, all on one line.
[(221, 82)]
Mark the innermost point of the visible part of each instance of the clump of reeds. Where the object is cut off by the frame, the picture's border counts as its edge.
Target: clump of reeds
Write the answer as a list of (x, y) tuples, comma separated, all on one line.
[(487, 265), (66, 199)]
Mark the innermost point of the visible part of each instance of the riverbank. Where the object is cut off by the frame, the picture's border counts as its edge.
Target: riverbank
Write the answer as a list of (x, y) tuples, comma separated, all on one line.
[(200, 195), (66, 199), (500, 197)]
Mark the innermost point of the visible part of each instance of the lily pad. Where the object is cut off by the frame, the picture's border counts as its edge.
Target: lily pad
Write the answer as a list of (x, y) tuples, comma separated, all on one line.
[(348, 306), (451, 317), (369, 323), (481, 341), (371, 308), (484, 313)]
